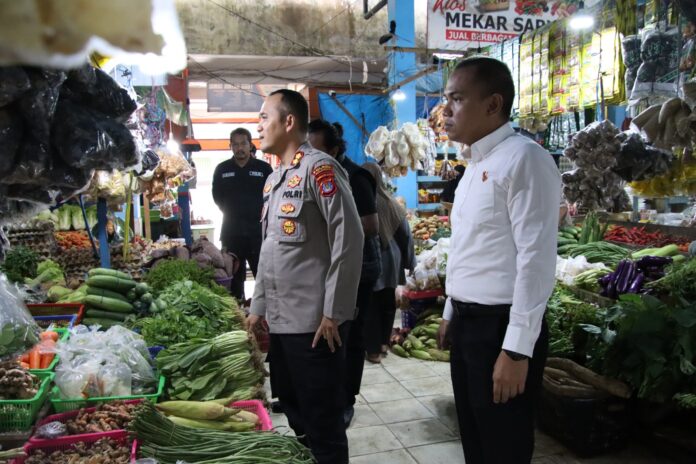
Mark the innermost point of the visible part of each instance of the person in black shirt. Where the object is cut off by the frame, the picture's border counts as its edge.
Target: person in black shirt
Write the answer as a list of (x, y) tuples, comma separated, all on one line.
[(238, 191), (451, 187), (328, 138)]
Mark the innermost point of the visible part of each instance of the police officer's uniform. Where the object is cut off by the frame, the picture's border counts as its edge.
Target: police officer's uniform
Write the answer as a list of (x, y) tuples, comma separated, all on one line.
[(309, 267)]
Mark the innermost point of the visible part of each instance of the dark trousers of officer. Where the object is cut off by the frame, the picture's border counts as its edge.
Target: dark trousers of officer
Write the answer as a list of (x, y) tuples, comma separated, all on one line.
[(491, 433), (355, 345), (247, 250), (379, 320), (309, 383)]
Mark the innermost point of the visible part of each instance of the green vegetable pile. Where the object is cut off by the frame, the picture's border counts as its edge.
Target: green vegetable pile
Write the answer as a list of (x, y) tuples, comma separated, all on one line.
[(174, 270), (566, 315), (206, 369), (650, 345), (48, 272), (20, 263), (169, 443), (191, 311), (679, 282)]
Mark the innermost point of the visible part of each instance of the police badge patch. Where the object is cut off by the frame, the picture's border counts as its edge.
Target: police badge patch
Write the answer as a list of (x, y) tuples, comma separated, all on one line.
[(289, 227), (326, 180), (287, 208), (267, 188), (298, 157), (294, 181)]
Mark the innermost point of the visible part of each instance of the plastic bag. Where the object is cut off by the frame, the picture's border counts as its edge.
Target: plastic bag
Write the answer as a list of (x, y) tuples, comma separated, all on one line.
[(11, 130), (660, 54), (115, 379), (86, 139), (78, 378), (18, 330), (51, 430), (14, 81), (33, 164), (38, 105), (93, 88)]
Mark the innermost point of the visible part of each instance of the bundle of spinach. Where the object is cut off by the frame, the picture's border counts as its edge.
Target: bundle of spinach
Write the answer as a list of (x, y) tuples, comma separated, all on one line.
[(566, 316), (679, 282), (650, 345), (175, 270), (173, 326), (20, 263)]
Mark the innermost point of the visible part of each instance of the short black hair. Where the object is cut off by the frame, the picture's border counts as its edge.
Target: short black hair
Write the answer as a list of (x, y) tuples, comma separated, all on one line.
[(296, 105), (494, 76), (241, 131), (332, 134)]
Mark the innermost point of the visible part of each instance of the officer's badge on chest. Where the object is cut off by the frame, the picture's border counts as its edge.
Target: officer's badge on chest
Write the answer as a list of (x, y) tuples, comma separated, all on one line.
[(294, 181), (289, 227)]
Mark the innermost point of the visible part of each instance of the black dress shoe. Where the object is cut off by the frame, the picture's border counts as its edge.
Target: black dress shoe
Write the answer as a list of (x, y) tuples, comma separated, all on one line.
[(276, 407), (348, 414)]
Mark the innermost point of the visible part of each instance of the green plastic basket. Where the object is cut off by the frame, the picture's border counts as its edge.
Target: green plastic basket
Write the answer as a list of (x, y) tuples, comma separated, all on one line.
[(20, 414), (61, 405), (63, 334)]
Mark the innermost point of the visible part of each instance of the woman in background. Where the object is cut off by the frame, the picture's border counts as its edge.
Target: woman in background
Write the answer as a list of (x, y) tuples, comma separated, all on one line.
[(398, 254)]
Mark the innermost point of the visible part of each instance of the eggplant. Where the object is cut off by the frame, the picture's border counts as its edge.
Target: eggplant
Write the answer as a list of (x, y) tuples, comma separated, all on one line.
[(649, 261), (614, 284), (637, 284), (626, 279)]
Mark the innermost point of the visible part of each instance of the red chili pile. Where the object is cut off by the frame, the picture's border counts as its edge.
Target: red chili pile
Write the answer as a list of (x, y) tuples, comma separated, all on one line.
[(639, 236)]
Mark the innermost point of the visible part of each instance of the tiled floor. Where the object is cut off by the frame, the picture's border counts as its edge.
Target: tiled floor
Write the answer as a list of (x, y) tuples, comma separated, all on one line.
[(405, 415)]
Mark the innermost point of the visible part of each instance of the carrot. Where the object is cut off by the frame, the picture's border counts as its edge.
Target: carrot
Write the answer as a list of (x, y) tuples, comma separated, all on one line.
[(34, 359), (49, 335), (46, 360), (25, 365), (24, 358)]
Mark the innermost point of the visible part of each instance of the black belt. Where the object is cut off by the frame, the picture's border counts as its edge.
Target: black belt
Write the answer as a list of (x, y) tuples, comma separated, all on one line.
[(474, 309)]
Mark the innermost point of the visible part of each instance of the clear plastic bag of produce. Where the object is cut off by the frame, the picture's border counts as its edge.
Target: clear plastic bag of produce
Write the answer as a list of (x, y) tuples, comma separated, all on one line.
[(78, 378), (115, 379), (51, 430), (18, 330)]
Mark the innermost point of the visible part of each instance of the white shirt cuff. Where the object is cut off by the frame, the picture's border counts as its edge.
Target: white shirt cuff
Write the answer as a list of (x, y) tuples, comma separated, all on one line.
[(520, 340), (449, 310), (257, 309)]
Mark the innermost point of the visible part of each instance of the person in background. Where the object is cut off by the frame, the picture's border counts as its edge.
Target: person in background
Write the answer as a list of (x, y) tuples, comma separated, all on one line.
[(328, 138), (308, 277), (500, 271), (450, 189), (398, 254), (238, 192)]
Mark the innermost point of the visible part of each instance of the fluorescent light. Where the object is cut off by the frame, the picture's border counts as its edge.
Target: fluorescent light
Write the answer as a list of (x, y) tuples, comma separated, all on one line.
[(581, 21), (399, 95)]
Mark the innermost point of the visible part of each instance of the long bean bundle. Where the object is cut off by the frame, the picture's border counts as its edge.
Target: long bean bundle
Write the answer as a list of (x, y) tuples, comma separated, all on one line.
[(167, 442)]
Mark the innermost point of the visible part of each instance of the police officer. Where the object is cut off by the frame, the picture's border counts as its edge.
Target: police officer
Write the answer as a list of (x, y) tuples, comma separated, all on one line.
[(308, 276), (237, 190)]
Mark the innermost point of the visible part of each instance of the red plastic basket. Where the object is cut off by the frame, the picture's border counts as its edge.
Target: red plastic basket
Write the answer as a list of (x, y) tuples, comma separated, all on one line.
[(64, 443), (55, 309), (63, 418), (257, 408)]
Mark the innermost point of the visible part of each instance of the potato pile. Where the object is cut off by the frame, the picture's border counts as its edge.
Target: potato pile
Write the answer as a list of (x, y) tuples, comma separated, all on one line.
[(427, 227)]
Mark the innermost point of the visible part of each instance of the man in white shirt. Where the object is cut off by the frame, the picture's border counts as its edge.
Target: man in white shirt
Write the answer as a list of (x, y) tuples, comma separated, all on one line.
[(500, 271)]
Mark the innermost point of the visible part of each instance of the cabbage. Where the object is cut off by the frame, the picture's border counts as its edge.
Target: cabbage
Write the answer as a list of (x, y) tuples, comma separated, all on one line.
[(64, 217), (78, 221), (92, 217)]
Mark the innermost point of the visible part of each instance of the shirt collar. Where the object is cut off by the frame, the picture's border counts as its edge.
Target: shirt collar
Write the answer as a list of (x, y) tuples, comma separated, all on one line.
[(481, 149)]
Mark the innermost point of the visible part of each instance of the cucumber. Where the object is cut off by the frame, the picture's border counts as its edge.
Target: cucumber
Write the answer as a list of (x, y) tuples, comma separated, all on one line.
[(104, 323), (109, 304), (566, 248), (566, 241), (568, 236), (99, 314), (569, 230), (141, 289), (100, 271), (105, 293), (111, 283)]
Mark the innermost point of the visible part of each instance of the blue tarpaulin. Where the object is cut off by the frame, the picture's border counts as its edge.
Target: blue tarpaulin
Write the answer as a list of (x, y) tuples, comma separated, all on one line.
[(371, 110)]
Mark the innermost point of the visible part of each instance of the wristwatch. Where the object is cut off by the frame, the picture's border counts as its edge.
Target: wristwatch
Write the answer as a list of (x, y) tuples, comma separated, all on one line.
[(516, 356)]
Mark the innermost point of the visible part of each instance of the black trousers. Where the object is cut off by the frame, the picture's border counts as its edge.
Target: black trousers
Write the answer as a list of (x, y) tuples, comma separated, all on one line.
[(247, 250), (309, 383), (355, 345), (379, 320), (491, 433)]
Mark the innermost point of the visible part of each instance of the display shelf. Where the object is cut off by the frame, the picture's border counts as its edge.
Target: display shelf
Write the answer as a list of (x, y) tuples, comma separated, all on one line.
[(424, 179), (429, 206)]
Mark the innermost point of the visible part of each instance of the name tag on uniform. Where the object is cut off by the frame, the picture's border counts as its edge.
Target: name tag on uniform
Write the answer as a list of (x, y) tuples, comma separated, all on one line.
[(225, 175), (292, 194), (256, 173)]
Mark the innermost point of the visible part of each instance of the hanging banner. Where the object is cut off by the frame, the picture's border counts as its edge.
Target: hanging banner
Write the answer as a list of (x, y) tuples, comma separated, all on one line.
[(461, 24)]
